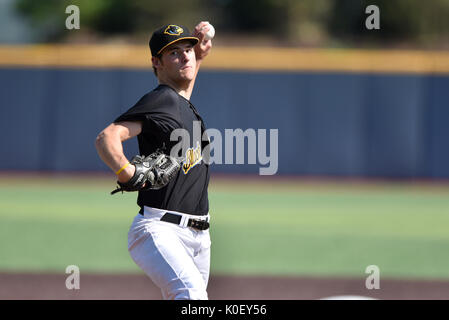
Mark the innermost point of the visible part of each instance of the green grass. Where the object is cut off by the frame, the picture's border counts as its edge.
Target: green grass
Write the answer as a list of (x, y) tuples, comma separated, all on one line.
[(289, 228)]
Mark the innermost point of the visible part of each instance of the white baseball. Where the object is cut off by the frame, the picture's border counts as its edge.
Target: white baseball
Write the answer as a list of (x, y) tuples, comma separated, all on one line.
[(211, 33)]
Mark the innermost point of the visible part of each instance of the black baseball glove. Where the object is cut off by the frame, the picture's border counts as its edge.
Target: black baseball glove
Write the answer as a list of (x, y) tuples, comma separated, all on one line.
[(152, 172)]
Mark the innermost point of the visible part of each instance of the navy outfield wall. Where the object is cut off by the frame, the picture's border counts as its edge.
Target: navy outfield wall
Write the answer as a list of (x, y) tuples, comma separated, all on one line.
[(330, 123)]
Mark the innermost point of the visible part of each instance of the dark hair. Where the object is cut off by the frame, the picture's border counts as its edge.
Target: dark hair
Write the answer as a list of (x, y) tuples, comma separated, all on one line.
[(159, 56)]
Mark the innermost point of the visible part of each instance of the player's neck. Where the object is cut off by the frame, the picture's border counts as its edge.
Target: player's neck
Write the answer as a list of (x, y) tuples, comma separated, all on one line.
[(184, 89)]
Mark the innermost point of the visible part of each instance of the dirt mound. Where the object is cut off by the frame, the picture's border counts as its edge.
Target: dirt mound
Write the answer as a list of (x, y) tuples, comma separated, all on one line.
[(138, 287)]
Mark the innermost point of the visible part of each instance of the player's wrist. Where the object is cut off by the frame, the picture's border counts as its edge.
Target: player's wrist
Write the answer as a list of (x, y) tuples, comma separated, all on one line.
[(127, 173)]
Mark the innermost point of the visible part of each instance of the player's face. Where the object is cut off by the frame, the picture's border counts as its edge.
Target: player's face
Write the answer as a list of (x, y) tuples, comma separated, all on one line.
[(178, 61)]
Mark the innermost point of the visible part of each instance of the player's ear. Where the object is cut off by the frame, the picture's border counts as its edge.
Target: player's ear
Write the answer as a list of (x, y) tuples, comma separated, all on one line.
[(157, 61)]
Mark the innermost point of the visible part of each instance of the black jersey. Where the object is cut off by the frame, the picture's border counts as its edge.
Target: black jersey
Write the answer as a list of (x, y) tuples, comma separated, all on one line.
[(161, 111)]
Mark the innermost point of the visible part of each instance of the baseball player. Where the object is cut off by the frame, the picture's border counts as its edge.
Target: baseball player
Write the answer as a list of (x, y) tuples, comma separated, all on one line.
[(169, 237)]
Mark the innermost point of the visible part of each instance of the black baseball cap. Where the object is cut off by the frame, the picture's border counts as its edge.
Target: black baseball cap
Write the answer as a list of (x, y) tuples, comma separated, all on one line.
[(168, 34)]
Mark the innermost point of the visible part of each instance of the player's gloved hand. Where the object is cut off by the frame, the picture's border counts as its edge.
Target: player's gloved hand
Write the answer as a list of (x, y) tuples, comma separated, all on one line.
[(152, 172)]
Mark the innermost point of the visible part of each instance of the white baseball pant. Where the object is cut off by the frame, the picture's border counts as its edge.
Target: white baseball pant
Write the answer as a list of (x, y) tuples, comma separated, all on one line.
[(175, 257)]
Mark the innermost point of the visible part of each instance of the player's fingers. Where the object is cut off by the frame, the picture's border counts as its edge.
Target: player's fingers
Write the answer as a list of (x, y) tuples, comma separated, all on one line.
[(201, 25), (198, 27), (202, 31), (200, 36), (207, 45)]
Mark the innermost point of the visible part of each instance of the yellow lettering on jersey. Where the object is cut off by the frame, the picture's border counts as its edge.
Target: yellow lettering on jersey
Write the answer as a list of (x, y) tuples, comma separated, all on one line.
[(193, 157)]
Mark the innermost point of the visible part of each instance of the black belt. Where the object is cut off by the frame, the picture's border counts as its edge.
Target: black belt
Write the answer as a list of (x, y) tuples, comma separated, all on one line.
[(176, 219), (193, 223)]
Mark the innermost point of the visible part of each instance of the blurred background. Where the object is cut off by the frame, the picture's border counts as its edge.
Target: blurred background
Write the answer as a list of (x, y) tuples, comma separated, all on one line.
[(363, 150), (322, 23)]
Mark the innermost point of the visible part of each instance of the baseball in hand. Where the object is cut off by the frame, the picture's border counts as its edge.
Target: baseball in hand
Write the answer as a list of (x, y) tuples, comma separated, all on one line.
[(210, 34)]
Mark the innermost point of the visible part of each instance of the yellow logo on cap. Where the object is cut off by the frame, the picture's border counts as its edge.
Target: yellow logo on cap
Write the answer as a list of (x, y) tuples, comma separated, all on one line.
[(173, 30)]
